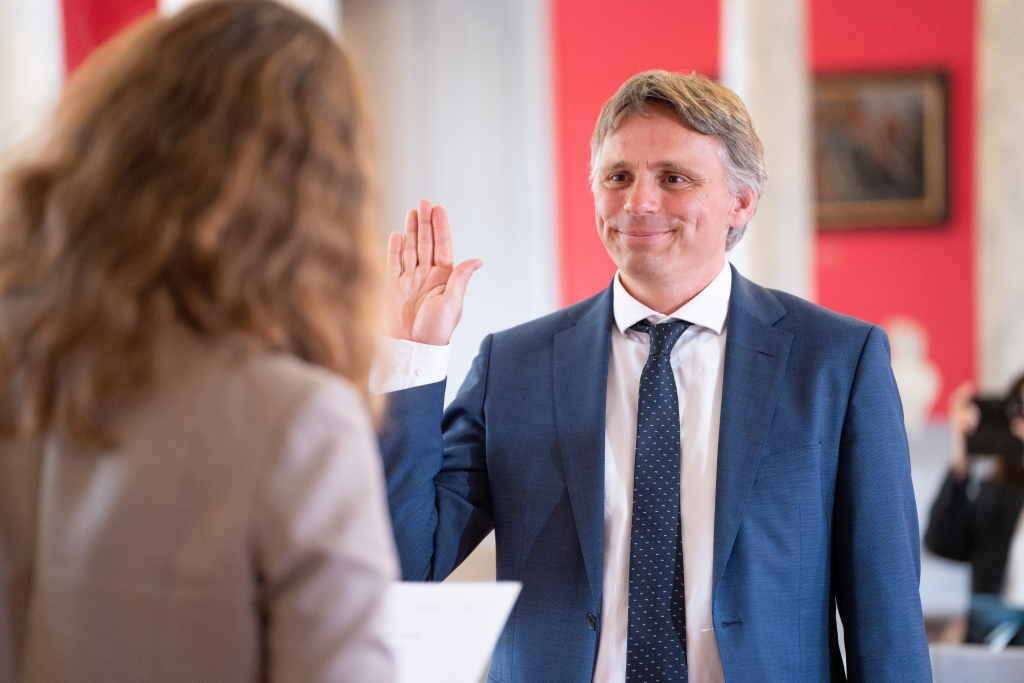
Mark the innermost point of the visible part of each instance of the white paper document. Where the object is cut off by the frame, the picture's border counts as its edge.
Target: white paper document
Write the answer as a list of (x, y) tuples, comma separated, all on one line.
[(445, 632)]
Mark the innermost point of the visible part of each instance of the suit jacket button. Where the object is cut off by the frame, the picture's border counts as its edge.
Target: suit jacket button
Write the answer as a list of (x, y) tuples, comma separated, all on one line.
[(591, 621)]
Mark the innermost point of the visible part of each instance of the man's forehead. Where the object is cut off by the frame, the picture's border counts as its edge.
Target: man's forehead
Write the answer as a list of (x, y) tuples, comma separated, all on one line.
[(652, 109), (653, 119), (626, 162)]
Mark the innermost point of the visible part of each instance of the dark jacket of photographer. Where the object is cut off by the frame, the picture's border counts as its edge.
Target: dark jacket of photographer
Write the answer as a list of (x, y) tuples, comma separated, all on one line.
[(977, 530)]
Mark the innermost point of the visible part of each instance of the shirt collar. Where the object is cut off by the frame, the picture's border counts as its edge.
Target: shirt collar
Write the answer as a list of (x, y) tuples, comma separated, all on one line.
[(708, 309)]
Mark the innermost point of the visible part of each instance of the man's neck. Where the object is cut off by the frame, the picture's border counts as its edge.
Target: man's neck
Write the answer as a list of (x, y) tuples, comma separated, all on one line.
[(669, 296)]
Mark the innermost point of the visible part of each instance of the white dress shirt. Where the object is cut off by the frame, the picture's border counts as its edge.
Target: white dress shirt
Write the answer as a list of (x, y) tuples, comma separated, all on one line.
[(698, 362)]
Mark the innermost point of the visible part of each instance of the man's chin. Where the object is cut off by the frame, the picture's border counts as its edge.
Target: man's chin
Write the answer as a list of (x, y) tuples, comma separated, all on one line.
[(642, 265), (653, 266)]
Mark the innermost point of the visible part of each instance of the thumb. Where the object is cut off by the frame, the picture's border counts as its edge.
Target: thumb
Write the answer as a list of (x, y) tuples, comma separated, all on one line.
[(455, 290)]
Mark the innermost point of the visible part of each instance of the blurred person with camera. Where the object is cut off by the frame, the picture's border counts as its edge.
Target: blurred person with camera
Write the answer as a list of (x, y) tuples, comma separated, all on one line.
[(981, 521), (190, 488)]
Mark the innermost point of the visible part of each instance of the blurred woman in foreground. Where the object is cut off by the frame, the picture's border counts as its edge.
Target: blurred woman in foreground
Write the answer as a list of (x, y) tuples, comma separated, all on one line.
[(189, 488)]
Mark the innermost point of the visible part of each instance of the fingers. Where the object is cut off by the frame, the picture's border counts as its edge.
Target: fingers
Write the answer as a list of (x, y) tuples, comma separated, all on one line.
[(963, 391), (393, 269), (442, 238), (962, 411), (973, 418), (409, 242), (425, 228), (455, 290), (1017, 427), (428, 237)]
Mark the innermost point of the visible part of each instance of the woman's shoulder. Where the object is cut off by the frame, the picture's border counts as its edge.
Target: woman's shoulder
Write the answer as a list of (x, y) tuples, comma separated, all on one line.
[(308, 388), (238, 393), (276, 373), (287, 386)]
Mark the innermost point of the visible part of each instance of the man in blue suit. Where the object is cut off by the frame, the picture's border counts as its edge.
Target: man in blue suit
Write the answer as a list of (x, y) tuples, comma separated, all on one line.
[(687, 472)]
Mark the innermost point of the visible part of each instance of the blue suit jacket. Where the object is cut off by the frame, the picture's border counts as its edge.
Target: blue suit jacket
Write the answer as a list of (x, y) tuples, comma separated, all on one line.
[(814, 504)]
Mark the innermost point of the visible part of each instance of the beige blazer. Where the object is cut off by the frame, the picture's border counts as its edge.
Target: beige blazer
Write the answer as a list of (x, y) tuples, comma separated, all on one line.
[(238, 532)]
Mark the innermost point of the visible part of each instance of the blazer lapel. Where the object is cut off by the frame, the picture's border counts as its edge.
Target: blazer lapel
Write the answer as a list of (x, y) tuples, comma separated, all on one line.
[(755, 361), (580, 385)]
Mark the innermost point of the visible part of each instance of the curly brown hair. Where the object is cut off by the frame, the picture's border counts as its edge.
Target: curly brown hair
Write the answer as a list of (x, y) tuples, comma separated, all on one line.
[(208, 169)]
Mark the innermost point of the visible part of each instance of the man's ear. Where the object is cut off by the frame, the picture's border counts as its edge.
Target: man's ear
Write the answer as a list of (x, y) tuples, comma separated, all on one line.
[(744, 206)]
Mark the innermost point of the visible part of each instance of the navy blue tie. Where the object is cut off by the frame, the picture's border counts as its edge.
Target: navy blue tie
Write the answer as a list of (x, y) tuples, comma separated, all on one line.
[(656, 645)]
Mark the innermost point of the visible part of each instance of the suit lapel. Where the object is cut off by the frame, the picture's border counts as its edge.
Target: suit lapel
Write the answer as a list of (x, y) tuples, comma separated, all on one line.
[(581, 384), (755, 361)]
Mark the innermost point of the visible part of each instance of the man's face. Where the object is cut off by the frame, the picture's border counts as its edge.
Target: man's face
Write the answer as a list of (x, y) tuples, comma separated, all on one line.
[(662, 200)]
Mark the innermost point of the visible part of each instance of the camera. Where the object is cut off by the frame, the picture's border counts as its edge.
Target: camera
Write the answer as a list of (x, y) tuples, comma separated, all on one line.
[(993, 435)]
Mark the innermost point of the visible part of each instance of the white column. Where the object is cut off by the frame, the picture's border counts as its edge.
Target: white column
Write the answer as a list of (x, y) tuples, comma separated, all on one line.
[(461, 102), (31, 68), (1000, 190), (764, 60)]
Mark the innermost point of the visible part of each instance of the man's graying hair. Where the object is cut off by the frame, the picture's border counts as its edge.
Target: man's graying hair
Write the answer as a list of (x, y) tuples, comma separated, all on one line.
[(704, 106)]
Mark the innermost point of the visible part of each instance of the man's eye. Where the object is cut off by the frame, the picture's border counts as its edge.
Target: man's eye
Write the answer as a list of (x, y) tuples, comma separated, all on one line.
[(617, 177), (675, 179)]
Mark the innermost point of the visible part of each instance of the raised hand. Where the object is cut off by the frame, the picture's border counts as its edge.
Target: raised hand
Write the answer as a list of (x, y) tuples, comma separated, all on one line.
[(423, 290)]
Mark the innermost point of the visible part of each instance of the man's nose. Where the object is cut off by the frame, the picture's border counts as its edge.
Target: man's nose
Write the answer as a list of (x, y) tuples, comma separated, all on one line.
[(643, 197)]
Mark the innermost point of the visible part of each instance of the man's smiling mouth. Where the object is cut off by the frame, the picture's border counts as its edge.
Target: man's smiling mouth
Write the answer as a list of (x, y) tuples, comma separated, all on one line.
[(642, 228)]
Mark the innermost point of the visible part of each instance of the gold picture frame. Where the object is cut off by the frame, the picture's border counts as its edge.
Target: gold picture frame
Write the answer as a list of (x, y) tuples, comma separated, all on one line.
[(880, 150)]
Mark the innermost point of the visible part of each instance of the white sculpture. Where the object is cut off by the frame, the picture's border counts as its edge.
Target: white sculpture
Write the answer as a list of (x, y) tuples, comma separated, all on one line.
[(917, 377)]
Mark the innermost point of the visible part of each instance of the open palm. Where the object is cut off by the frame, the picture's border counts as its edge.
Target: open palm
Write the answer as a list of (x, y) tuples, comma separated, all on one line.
[(424, 291)]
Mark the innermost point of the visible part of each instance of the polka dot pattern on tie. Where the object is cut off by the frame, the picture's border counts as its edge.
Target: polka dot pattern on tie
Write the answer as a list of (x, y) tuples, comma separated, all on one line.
[(656, 645)]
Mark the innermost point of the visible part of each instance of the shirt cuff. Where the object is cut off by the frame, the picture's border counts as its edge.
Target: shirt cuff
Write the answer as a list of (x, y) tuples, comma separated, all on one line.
[(402, 364)]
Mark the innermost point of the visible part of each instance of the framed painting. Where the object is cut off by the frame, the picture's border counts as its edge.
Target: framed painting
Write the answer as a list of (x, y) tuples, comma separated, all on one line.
[(880, 150)]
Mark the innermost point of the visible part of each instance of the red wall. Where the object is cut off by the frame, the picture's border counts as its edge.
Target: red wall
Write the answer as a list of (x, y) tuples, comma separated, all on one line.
[(597, 45), (89, 23), (924, 273)]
